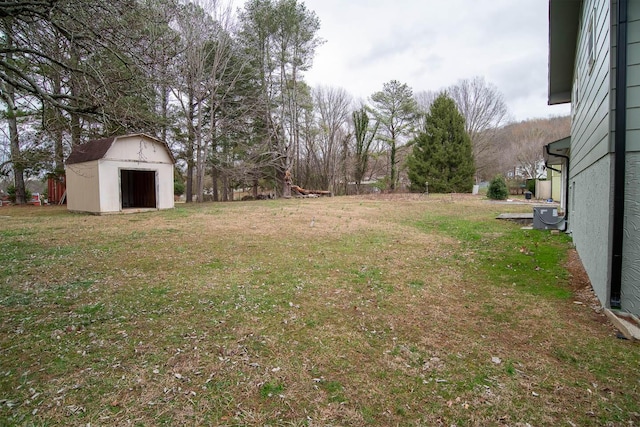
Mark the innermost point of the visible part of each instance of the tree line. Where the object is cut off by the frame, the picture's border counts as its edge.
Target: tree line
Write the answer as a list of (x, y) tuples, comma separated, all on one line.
[(225, 89)]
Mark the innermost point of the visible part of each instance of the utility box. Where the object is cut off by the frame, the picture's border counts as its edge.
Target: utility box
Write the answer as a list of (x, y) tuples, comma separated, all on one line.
[(546, 218)]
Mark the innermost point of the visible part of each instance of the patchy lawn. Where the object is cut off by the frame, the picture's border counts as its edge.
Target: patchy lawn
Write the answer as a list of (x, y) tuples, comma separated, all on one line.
[(403, 310)]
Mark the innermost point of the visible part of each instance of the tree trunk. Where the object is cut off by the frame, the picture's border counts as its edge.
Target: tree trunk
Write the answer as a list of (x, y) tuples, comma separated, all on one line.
[(76, 127), (58, 132), (286, 188), (200, 153), (255, 188), (164, 112), (189, 148), (16, 155), (345, 169), (8, 95), (225, 188), (392, 180), (215, 175)]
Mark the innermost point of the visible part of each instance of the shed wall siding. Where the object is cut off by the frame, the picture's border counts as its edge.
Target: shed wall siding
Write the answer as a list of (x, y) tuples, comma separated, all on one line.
[(591, 162), (110, 183), (110, 186), (138, 150), (83, 187), (95, 186)]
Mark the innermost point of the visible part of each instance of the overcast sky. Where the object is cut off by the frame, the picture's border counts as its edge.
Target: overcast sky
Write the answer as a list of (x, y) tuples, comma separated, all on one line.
[(431, 44)]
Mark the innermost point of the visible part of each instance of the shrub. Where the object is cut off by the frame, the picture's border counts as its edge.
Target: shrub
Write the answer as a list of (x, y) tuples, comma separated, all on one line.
[(381, 185), (178, 188), (11, 191), (497, 188), (531, 186)]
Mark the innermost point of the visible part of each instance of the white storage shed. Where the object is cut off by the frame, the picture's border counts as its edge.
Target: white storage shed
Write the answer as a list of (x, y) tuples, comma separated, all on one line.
[(118, 174)]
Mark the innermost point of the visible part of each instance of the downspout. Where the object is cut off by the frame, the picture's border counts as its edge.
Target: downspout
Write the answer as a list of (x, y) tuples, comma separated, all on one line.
[(620, 156), (566, 185)]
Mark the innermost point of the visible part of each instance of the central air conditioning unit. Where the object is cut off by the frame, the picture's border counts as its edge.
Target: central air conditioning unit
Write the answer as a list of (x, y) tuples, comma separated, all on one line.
[(546, 218)]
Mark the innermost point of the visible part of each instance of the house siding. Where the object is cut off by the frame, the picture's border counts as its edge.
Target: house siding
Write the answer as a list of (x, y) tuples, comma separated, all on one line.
[(591, 111), (556, 184), (630, 292), (591, 162), (631, 258), (590, 218), (593, 151)]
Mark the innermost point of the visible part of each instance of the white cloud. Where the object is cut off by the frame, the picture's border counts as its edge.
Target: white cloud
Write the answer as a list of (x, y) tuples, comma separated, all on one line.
[(431, 44)]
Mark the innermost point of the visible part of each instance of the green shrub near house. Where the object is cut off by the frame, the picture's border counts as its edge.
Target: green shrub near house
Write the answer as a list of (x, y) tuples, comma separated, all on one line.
[(498, 189)]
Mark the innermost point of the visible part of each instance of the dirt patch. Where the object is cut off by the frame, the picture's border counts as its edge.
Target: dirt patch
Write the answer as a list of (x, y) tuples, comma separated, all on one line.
[(578, 278), (581, 286)]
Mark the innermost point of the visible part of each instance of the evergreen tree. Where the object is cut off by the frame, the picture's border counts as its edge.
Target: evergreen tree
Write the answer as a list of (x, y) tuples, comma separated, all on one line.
[(498, 188), (395, 109), (442, 154)]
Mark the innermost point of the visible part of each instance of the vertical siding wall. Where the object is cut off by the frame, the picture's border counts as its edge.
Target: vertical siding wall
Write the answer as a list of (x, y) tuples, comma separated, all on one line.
[(83, 184), (631, 254), (110, 183), (591, 166)]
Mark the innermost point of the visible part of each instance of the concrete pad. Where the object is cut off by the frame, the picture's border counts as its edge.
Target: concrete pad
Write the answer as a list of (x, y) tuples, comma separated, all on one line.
[(626, 323)]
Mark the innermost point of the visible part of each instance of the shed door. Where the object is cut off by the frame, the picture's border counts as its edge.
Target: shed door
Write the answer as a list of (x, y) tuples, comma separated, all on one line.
[(138, 188)]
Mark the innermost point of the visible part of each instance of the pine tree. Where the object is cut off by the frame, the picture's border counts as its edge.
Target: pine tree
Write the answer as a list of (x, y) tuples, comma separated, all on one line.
[(442, 154), (395, 109)]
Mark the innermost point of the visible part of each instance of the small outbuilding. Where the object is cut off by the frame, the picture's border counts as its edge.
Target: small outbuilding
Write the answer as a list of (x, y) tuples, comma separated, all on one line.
[(117, 174)]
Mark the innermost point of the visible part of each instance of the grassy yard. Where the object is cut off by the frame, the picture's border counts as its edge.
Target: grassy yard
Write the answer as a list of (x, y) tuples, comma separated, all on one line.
[(406, 310)]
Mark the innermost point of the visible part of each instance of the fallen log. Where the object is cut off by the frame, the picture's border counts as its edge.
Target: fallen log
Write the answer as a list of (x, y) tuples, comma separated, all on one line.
[(301, 191)]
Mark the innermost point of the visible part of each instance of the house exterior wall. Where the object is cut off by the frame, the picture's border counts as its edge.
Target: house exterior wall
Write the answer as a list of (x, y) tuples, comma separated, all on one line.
[(589, 220), (630, 291), (83, 187), (590, 171), (556, 183), (593, 150)]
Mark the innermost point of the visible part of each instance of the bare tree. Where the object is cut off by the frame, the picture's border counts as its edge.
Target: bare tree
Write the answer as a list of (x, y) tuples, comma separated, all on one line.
[(200, 35), (281, 36), (425, 99), (333, 106), (224, 68), (484, 110), (364, 136), (522, 144)]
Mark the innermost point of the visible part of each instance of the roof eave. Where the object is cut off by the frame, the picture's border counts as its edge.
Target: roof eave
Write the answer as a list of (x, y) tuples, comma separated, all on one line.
[(564, 20), (555, 151)]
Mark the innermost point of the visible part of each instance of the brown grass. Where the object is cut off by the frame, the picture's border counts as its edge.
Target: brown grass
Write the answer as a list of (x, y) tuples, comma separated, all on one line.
[(339, 311)]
